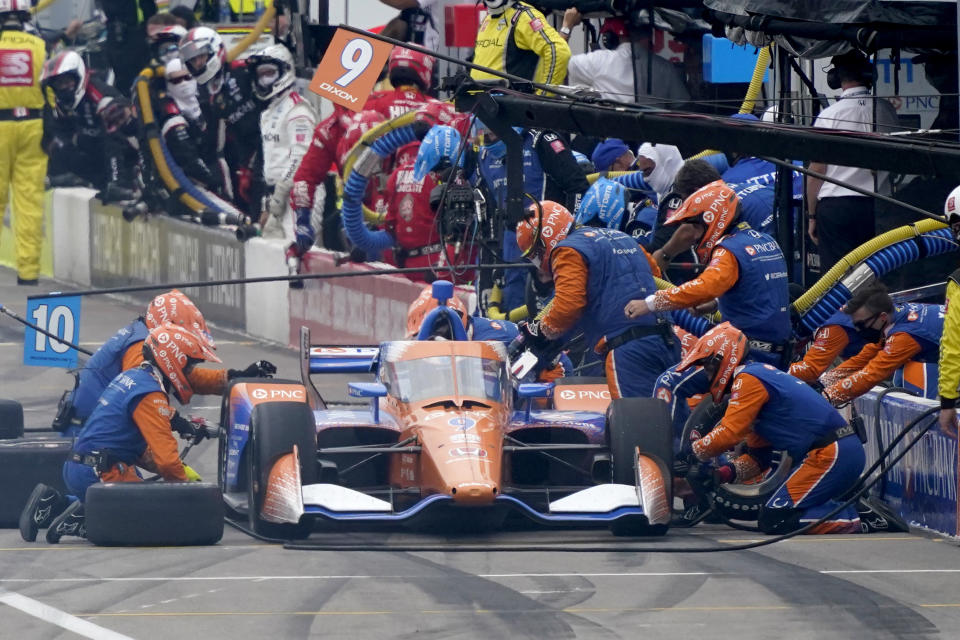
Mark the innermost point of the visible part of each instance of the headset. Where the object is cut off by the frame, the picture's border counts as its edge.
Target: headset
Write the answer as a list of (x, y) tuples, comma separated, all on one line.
[(854, 64)]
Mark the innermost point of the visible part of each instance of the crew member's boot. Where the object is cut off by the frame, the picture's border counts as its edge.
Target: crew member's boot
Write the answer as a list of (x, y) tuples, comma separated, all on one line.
[(69, 523), (877, 517), (44, 504)]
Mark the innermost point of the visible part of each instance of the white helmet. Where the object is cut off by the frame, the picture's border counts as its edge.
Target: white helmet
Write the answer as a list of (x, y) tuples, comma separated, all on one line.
[(272, 71), (204, 41), (951, 208), (67, 63)]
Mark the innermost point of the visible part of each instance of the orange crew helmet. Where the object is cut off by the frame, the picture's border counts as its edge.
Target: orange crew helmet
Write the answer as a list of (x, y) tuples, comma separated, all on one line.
[(175, 351), (546, 224), (716, 207), (176, 308), (424, 304), (720, 351)]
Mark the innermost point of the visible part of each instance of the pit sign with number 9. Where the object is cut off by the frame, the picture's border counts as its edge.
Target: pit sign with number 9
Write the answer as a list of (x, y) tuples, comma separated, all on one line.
[(60, 317), (349, 69)]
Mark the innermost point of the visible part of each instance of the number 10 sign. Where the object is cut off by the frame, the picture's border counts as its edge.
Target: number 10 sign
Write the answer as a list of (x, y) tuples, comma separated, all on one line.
[(349, 69), (59, 316)]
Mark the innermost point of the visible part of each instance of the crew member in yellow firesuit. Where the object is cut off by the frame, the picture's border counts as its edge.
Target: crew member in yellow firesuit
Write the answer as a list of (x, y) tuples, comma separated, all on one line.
[(949, 386), (23, 164)]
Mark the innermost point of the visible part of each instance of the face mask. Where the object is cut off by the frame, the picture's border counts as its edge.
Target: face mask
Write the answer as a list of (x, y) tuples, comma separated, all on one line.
[(870, 335), (495, 7), (496, 150), (184, 93)]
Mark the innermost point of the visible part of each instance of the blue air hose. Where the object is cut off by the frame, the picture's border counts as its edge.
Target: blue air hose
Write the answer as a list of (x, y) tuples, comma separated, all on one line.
[(355, 188)]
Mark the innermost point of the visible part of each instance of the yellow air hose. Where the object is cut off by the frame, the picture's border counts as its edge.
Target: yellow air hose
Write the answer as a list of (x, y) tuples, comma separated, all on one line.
[(43, 4), (268, 15), (864, 251), (753, 92), (153, 141)]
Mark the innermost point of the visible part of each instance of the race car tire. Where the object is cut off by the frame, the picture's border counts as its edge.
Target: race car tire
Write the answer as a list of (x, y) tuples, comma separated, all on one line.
[(24, 463), (702, 420), (11, 420), (644, 424), (274, 428), (155, 514)]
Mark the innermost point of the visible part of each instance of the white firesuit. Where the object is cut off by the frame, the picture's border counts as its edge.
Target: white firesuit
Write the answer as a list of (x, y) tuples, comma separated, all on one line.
[(287, 127)]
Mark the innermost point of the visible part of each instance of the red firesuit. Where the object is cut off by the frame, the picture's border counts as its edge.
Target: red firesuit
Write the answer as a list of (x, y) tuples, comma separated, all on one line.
[(320, 159)]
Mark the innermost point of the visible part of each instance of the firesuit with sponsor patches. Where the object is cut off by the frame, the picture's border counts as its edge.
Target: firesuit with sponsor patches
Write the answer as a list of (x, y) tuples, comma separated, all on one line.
[(520, 41), (319, 160), (756, 202), (748, 275), (837, 337), (550, 172), (595, 273), (78, 141), (184, 137), (130, 424), (24, 165), (398, 101), (286, 126), (505, 331), (949, 383), (122, 352), (914, 335), (239, 112), (772, 410)]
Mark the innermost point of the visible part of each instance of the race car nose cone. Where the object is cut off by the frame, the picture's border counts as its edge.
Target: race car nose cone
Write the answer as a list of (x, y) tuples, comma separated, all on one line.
[(474, 492)]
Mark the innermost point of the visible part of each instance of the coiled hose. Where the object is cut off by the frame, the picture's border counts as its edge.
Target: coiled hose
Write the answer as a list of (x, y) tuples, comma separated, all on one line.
[(258, 29), (356, 186), (896, 248)]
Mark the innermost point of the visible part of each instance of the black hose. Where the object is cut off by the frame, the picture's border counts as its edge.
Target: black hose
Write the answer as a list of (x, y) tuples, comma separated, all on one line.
[(879, 435)]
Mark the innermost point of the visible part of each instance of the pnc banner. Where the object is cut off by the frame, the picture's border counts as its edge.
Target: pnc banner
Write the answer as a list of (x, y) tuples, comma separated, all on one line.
[(349, 69)]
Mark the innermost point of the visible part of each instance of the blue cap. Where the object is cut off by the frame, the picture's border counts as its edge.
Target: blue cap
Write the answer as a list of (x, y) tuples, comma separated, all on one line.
[(440, 143), (607, 152), (606, 200)]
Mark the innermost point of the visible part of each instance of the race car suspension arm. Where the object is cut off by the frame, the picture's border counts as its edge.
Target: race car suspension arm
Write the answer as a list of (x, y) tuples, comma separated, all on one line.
[(404, 446), (539, 448)]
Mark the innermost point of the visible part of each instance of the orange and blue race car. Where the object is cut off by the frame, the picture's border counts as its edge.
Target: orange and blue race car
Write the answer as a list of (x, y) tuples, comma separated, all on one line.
[(448, 436)]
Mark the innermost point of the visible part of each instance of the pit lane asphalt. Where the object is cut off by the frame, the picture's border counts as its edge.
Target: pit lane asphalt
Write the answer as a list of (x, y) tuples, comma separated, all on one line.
[(878, 586)]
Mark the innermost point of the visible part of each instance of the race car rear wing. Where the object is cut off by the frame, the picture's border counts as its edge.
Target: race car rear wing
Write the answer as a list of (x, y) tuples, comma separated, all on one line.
[(332, 359)]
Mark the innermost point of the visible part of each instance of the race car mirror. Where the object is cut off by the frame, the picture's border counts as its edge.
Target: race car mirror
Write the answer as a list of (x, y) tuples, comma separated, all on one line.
[(535, 390)]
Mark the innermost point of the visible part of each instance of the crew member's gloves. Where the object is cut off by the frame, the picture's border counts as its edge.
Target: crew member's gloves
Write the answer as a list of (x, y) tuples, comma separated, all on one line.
[(192, 476), (304, 233), (832, 394), (533, 337), (259, 369), (186, 428)]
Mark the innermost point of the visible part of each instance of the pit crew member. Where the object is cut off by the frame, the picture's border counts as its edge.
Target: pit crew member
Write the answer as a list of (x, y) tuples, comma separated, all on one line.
[(772, 410), (595, 271), (286, 125), (746, 276), (132, 425), (22, 104), (894, 337), (949, 383), (516, 38), (838, 337), (125, 351), (86, 136)]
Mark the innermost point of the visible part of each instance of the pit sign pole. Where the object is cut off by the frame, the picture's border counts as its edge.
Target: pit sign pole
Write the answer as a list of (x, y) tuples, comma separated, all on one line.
[(349, 69)]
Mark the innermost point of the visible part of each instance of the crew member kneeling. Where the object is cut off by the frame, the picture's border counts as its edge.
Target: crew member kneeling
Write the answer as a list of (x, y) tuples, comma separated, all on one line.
[(130, 427), (772, 410)]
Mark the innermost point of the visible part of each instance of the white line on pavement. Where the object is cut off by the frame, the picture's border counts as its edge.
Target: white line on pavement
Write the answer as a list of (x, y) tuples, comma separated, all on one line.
[(62, 619), (892, 571), (356, 577)]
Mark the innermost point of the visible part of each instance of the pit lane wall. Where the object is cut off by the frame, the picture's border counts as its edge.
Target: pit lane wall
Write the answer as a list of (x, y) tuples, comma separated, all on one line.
[(923, 486), (92, 246)]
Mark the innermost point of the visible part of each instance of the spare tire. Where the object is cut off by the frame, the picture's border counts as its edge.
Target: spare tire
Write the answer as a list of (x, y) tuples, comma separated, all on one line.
[(11, 420), (24, 463), (155, 514)]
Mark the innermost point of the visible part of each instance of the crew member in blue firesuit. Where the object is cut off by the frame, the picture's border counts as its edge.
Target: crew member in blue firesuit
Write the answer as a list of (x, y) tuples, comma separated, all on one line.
[(773, 411), (595, 272), (132, 425)]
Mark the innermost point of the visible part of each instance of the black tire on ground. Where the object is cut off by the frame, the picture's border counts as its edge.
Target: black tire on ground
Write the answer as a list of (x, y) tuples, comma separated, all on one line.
[(23, 464), (642, 423), (274, 428), (11, 420), (154, 513)]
